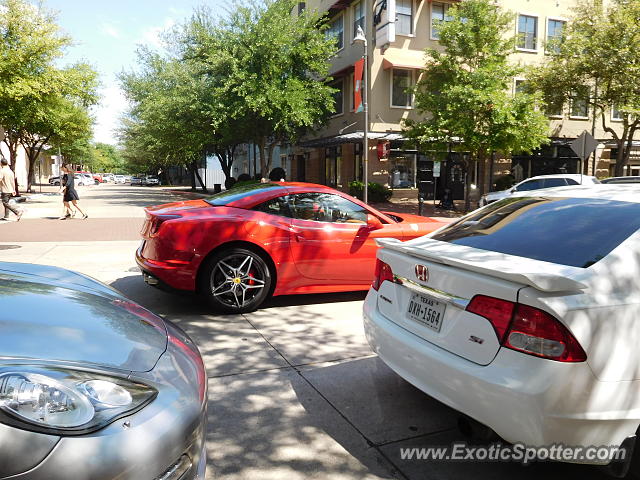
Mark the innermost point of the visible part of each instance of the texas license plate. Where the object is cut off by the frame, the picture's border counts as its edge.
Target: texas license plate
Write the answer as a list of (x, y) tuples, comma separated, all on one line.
[(426, 311)]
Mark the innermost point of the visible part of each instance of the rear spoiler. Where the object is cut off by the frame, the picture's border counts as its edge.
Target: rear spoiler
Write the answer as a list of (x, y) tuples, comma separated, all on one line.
[(542, 280)]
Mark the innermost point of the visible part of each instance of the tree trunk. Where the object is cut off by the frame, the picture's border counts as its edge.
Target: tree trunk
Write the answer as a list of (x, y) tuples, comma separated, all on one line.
[(263, 161), (197, 176), (620, 163), (467, 186)]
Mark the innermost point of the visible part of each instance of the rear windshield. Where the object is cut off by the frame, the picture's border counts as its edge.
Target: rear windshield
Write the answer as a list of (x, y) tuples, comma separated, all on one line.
[(568, 231), (236, 193)]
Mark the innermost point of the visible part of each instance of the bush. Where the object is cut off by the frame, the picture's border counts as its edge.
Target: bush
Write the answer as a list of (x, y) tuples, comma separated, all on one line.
[(376, 192), (504, 182)]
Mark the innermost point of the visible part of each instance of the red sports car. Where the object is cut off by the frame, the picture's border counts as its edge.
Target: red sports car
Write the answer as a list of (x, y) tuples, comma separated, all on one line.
[(244, 244)]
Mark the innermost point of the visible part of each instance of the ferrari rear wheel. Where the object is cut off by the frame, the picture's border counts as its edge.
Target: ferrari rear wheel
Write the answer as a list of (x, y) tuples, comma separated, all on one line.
[(236, 280)]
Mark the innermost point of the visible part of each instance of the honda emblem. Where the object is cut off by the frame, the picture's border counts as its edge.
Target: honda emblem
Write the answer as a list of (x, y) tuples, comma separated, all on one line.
[(422, 273)]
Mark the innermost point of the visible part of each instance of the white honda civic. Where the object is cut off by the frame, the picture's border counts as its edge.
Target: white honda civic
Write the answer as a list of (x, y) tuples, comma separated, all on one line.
[(523, 315)]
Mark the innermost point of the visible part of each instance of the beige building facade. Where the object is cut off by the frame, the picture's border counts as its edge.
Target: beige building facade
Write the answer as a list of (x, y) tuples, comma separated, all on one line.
[(397, 33)]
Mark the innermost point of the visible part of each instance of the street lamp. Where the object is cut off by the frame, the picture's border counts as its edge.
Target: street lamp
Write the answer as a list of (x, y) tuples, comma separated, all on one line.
[(361, 37)]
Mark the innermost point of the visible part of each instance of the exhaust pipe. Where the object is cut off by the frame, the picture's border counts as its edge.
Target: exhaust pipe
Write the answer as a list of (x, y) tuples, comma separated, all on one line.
[(476, 431), (148, 279)]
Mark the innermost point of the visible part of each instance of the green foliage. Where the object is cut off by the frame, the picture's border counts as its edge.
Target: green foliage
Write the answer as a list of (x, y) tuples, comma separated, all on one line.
[(504, 182), (251, 77), (465, 90), (376, 192), (245, 182), (599, 51), (40, 103)]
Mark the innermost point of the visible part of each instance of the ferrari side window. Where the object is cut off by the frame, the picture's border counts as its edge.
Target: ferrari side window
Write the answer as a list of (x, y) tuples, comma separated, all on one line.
[(276, 206), (326, 207)]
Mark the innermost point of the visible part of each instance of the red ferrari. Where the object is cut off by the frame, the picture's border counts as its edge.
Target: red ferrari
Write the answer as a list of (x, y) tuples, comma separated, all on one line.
[(244, 244)]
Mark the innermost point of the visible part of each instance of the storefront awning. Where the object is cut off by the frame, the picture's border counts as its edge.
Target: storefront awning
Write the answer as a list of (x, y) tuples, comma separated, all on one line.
[(353, 137), (413, 59)]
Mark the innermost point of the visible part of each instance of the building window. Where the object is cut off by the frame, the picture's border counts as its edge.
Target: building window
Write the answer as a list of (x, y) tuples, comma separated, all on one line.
[(520, 86), (554, 109), (404, 17), (333, 166), (358, 18), (580, 104), (554, 35), (439, 14), (527, 32), (336, 30), (401, 96), (358, 162), (616, 114), (338, 96)]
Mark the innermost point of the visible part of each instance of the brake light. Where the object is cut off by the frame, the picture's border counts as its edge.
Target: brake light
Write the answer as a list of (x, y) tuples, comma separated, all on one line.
[(528, 330), (499, 312), (536, 332), (158, 220), (383, 272)]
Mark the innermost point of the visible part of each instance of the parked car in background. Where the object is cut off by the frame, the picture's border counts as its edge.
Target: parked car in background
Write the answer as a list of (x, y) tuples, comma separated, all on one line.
[(54, 181), (127, 179), (151, 181), (539, 182), (240, 246), (97, 178), (119, 179), (629, 179), (136, 180), (81, 180), (108, 177), (89, 179), (522, 313), (84, 369)]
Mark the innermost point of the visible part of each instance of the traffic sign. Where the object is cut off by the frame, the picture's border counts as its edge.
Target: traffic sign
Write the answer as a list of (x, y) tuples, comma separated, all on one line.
[(584, 145), (436, 169)]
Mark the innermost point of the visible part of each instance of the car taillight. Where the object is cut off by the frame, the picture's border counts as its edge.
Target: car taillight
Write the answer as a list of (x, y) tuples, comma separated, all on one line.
[(383, 272), (499, 312), (527, 329), (158, 220)]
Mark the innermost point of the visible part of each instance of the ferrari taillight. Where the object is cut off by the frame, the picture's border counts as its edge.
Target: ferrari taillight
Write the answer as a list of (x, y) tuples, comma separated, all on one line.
[(158, 220)]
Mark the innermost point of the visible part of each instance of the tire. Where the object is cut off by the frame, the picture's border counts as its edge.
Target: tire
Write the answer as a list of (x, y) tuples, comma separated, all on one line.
[(236, 280)]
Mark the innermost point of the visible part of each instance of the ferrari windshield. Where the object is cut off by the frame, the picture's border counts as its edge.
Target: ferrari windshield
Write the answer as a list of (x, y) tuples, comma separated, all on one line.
[(237, 193)]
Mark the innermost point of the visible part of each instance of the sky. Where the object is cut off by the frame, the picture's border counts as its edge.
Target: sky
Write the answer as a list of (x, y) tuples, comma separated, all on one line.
[(106, 34)]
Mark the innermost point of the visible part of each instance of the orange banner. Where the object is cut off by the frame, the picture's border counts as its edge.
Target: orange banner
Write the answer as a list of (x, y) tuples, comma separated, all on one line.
[(357, 86)]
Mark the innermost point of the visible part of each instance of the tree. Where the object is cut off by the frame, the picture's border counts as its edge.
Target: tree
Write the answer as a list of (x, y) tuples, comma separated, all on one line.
[(465, 90), (600, 52), (277, 70), (34, 92)]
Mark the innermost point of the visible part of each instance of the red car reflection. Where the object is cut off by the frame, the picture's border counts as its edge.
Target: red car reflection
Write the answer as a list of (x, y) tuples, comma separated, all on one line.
[(242, 245)]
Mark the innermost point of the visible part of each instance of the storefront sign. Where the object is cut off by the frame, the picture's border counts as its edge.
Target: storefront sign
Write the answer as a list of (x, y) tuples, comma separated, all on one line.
[(384, 21)]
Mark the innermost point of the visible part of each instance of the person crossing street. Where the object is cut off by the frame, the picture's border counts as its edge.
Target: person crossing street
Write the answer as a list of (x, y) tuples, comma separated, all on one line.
[(7, 190)]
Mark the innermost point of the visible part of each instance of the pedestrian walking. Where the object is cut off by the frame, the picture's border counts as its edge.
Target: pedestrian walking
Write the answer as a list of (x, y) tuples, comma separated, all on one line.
[(8, 189), (69, 194)]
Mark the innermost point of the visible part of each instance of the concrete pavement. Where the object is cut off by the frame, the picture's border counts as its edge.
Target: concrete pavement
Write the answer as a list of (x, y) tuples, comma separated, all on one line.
[(294, 390)]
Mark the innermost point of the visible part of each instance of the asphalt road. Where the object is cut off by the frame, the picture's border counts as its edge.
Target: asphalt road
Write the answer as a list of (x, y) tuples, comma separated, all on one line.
[(294, 390)]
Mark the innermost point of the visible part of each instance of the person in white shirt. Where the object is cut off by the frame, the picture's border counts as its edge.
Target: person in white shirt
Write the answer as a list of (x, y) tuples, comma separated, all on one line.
[(8, 189)]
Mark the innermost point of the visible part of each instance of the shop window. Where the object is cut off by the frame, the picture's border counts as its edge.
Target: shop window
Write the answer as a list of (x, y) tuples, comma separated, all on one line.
[(580, 104), (333, 167)]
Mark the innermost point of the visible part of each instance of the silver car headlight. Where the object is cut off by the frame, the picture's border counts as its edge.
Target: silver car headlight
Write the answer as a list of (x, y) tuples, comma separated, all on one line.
[(67, 402)]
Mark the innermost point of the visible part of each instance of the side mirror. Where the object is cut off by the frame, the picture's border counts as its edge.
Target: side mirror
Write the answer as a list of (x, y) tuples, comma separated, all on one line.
[(512, 190), (373, 222)]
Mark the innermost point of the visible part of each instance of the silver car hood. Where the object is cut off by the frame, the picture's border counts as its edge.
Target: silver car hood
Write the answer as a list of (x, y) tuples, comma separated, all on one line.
[(51, 314)]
